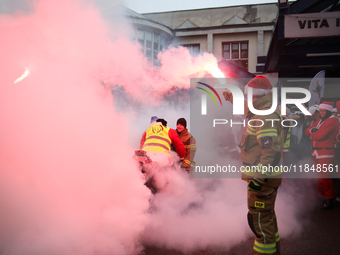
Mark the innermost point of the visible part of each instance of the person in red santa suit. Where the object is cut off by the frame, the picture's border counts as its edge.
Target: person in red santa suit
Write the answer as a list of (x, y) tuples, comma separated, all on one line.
[(337, 159), (323, 134)]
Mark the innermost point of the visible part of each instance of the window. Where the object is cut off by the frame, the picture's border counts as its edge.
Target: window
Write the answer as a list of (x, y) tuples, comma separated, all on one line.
[(236, 52), (194, 49), (155, 41), (141, 37), (226, 51), (244, 50), (152, 44), (155, 46), (148, 45), (162, 43)]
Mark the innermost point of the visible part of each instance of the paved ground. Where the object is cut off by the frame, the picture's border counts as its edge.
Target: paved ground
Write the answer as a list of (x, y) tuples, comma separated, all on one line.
[(320, 238)]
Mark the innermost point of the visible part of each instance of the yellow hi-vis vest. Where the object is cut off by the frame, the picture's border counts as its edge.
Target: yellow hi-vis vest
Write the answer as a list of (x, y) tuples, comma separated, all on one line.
[(157, 139)]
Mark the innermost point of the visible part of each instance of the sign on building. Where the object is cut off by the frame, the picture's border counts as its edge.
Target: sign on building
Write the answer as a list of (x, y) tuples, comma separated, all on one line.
[(312, 25)]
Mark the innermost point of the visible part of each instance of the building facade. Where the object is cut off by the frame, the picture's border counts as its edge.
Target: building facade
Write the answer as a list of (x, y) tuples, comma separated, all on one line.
[(153, 36), (238, 34), (254, 39)]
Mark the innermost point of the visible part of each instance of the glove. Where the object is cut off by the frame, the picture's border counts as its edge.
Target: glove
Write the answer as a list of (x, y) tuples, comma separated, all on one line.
[(186, 164), (313, 130), (228, 96), (254, 186)]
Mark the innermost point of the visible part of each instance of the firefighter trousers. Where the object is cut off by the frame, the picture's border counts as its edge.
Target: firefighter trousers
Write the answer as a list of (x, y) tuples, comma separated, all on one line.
[(262, 221)]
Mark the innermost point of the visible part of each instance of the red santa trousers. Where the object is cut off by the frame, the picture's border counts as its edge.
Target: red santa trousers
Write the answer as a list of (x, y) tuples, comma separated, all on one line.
[(325, 184)]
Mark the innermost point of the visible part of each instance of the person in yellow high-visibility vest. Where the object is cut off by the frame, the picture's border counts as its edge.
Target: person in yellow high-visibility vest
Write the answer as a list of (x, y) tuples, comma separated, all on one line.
[(261, 148), (158, 138)]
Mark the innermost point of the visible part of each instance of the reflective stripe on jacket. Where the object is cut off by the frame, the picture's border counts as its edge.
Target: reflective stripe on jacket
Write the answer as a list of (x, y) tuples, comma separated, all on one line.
[(286, 145), (157, 139), (262, 144), (190, 147)]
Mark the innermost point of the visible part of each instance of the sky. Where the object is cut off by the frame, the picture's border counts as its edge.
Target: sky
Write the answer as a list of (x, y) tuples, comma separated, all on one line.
[(147, 6)]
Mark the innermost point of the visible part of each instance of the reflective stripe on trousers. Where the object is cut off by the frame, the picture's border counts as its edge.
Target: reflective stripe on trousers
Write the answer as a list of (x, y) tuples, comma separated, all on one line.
[(262, 221)]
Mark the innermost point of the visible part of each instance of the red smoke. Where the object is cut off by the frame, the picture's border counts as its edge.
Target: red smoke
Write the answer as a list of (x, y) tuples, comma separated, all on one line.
[(68, 183)]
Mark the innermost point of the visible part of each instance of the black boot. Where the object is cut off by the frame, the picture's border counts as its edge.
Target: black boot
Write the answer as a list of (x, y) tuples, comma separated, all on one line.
[(328, 204)]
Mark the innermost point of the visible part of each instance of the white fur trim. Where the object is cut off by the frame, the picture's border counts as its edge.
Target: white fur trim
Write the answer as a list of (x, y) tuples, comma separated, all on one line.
[(257, 92), (326, 107), (313, 109), (317, 156), (324, 156)]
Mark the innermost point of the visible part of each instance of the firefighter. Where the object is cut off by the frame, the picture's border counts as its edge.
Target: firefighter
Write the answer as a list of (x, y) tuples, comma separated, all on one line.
[(189, 144), (158, 138), (261, 146), (323, 135)]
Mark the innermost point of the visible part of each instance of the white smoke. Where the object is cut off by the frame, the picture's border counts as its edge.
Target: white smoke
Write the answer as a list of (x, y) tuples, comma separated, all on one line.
[(68, 182)]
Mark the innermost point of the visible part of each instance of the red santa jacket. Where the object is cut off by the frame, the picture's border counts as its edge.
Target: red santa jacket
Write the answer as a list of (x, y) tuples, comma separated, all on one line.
[(324, 139)]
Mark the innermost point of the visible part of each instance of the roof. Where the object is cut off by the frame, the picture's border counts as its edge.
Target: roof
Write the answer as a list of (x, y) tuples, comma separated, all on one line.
[(304, 57), (210, 8), (132, 14)]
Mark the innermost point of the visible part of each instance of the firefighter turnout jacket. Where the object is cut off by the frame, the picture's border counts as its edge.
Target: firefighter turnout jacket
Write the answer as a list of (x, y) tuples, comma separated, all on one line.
[(262, 144), (190, 149)]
